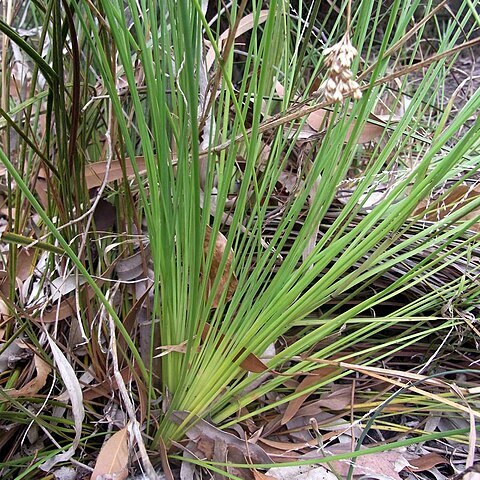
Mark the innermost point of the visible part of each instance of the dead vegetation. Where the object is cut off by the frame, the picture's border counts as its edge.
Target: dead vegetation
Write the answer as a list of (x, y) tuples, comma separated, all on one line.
[(240, 244)]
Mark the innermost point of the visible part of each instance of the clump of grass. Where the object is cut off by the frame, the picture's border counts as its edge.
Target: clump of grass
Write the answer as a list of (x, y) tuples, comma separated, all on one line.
[(168, 225)]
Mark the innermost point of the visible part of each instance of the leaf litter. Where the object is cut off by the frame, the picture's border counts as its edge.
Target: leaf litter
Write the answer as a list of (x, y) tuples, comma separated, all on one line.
[(330, 408), (113, 457)]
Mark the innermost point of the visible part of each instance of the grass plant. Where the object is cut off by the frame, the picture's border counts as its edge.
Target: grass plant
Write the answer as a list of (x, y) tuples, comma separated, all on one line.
[(184, 191)]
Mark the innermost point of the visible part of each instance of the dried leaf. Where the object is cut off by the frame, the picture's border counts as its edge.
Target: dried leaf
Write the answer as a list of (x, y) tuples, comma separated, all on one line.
[(337, 399), (318, 119), (131, 319), (373, 128), (201, 429), (41, 189), (132, 267), (36, 384), (62, 286), (244, 25), (253, 364), (301, 472), (385, 464), (74, 391), (165, 463), (105, 388), (8, 355), (67, 308), (262, 476), (221, 454), (288, 180), (61, 311), (113, 457), (316, 376), (456, 199), (104, 215), (65, 473), (95, 173), (280, 456), (188, 470), (426, 462), (228, 279), (288, 446), (25, 259), (291, 447), (470, 475), (180, 348), (280, 89), (370, 131)]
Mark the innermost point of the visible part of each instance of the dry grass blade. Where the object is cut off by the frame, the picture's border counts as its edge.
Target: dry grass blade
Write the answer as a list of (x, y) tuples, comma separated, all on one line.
[(386, 375), (74, 393), (313, 184)]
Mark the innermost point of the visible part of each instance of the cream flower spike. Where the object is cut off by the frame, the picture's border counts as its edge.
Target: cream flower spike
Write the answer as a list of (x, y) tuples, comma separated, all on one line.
[(339, 83)]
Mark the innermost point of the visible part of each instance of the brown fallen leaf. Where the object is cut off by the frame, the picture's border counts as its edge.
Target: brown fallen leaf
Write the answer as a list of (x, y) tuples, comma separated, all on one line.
[(105, 215), (456, 199), (319, 119), (387, 463), (105, 388), (301, 472), (60, 312), (41, 189), (37, 383), (426, 462), (133, 267), (281, 456), (95, 172), (261, 476), (25, 259), (291, 446), (165, 463), (131, 318), (201, 430), (113, 458), (166, 349), (316, 376), (228, 280), (373, 128)]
